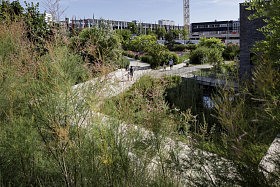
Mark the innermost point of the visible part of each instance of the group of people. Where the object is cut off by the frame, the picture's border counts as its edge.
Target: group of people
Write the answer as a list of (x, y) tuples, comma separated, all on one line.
[(130, 69)]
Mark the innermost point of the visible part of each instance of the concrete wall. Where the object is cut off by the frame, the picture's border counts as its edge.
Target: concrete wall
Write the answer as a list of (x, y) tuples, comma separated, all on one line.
[(249, 35)]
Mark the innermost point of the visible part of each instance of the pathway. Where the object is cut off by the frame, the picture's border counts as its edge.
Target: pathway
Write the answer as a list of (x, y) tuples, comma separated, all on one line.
[(194, 163)]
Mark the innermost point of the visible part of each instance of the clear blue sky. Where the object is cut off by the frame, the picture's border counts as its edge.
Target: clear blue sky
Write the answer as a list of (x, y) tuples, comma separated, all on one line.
[(151, 10)]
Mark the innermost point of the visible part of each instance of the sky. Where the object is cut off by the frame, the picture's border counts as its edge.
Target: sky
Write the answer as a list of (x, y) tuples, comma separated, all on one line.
[(150, 10)]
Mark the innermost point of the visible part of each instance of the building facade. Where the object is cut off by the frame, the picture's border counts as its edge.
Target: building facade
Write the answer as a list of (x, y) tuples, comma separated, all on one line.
[(227, 31), (249, 35), (113, 24), (163, 22)]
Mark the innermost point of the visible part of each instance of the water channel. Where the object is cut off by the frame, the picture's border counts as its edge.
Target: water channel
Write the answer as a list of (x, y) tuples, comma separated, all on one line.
[(189, 94)]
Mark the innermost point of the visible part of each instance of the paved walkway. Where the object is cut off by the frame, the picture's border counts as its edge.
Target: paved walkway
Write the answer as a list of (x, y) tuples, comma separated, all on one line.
[(194, 163)]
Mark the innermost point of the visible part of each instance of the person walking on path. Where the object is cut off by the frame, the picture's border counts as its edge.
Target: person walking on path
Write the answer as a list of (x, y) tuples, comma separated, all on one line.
[(164, 66), (171, 63), (131, 71)]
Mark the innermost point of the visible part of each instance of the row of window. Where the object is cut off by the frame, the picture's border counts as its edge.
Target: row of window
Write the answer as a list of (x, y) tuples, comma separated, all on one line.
[(215, 32), (235, 25)]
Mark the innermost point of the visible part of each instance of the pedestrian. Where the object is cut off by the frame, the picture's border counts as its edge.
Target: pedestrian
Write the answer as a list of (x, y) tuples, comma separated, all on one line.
[(131, 71), (171, 63), (187, 63), (164, 66)]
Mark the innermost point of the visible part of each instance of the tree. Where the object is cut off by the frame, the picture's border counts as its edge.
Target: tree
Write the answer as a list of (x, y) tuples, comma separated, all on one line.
[(208, 51), (54, 8), (38, 30), (266, 74), (161, 32), (172, 35), (125, 34), (132, 27), (184, 33), (211, 43), (10, 11), (142, 43), (269, 12)]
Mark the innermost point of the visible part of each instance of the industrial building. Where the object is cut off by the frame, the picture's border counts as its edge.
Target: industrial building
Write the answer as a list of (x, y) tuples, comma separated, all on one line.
[(227, 31)]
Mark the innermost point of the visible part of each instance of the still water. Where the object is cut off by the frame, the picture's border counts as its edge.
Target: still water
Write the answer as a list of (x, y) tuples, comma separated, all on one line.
[(189, 94)]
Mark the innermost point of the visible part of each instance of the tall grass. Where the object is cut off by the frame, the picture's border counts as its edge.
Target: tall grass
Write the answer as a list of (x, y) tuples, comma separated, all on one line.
[(50, 135)]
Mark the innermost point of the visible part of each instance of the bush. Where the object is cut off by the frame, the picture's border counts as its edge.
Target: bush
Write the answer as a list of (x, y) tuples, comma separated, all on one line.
[(191, 47), (211, 43), (175, 58), (184, 57), (204, 55), (98, 45), (129, 54), (199, 55), (176, 47), (147, 58), (214, 57), (124, 63), (231, 51)]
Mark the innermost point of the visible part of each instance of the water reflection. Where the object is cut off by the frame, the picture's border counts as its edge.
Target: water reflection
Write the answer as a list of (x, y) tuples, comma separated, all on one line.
[(208, 102), (188, 94)]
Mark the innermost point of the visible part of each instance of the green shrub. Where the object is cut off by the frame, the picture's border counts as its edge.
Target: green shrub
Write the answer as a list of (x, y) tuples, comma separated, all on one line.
[(175, 58), (214, 57), (184, 57), (231, 51), (177, 47), (98, 45), (124, 63), (191, 47), (199, 55), (211, 43), (129, 54), (146, 58), (206, 55)]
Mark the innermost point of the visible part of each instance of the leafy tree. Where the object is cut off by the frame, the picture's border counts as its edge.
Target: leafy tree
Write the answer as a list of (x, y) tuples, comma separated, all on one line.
[(269, 12), (142, 43), (171, 35), (38, 30), (206, 55), (266, 74), (150, 32), (125, 34), (10, 11), (185, 34), (133, 28), (211, 43), (160, 32), (208, 51)]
